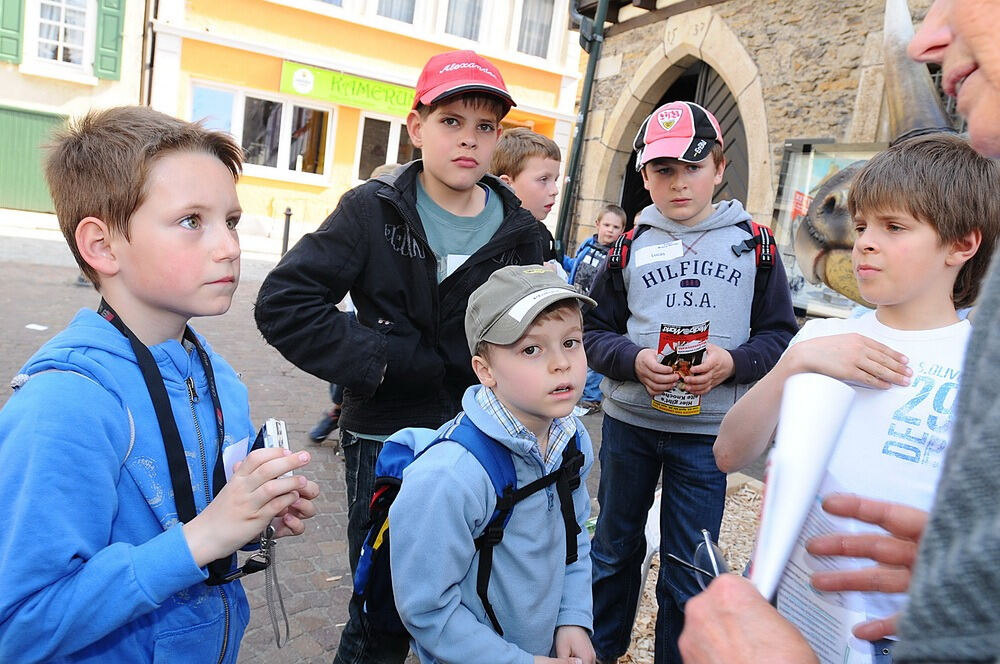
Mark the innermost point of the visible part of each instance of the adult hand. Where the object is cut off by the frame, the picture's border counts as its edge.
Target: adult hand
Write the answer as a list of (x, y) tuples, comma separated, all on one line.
[(655, 377), (716, 366), (732, 622), (894, 552), (853, 358)]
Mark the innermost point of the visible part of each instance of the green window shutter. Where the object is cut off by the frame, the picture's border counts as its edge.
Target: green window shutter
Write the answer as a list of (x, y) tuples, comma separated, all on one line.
[(108, 56), (11, 26)]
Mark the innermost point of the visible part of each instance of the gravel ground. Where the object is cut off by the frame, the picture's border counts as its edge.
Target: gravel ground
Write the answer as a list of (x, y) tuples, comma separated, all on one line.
[(739, 529)]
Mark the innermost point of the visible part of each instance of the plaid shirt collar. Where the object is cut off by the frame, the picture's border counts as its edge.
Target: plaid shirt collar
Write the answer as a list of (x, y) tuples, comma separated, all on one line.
[(561, 431)]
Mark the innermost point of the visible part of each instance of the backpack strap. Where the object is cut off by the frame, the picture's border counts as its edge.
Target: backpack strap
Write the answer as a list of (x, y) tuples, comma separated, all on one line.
[(499, 465), (761, 242), (618, 256)]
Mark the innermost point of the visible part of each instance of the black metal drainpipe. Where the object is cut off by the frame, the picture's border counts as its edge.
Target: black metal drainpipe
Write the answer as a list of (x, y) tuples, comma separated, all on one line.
[(591, 39)]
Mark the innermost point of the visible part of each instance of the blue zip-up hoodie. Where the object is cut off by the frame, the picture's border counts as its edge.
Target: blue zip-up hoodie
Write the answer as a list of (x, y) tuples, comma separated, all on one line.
[(94, 563), (445, 502), (586, 265)]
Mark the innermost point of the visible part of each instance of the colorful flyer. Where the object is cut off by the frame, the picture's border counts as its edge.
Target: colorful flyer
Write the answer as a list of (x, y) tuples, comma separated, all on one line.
[(681, 347)]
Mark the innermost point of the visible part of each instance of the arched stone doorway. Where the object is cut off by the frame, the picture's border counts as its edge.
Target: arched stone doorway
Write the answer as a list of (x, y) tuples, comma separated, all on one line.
[(694, 39), (702, 85)]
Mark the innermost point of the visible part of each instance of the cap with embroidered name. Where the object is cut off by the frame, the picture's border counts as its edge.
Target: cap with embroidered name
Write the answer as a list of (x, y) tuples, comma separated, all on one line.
[(455, 72), (679, 130), (502, 309)]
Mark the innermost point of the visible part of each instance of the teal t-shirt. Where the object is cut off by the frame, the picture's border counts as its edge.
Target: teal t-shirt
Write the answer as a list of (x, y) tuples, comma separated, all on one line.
[(452, 238)]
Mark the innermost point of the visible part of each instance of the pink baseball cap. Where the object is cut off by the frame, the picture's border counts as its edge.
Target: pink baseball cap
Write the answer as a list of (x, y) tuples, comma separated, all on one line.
[(455, 72), (679, 130)]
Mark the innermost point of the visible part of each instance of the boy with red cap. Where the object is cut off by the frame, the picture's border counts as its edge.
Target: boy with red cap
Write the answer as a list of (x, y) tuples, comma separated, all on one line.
[(691, 264), (409, 246)]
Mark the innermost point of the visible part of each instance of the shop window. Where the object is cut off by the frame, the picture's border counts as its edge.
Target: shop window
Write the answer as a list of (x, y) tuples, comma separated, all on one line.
[(536, 27), (464, 18), (274, 134), (383, 142), (308, 144), (261, 131)]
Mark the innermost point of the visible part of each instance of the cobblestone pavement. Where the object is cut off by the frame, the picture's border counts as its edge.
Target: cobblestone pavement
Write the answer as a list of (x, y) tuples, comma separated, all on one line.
[(39, 289)]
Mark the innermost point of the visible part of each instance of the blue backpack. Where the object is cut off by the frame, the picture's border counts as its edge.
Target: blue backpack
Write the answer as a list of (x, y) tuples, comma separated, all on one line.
[(373, 580)]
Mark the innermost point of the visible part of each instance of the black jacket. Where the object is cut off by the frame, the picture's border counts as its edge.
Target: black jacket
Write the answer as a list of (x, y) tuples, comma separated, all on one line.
[(404, 361)]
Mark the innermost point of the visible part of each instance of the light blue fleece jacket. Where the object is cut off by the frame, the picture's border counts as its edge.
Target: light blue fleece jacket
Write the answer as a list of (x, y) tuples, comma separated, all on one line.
[(445, 502), (94, 564)]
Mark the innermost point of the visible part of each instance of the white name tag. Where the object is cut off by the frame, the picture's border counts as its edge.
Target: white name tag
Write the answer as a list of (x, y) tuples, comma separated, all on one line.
[(455, 261), (659, 253)]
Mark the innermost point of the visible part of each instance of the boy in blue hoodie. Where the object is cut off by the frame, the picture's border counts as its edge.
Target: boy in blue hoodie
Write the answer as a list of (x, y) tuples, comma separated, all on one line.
[(689, 267), (525, 333), (121, 525)]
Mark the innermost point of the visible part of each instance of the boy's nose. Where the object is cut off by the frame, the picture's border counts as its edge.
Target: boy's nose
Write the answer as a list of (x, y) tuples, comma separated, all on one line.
[(227, 245)]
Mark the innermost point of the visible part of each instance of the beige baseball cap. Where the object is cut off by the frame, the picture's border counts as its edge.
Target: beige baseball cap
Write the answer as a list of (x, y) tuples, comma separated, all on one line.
[(504, 307)]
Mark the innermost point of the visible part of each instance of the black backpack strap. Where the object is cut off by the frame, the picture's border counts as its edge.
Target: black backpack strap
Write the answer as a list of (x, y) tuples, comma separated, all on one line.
[(567, 479), (761, 242)]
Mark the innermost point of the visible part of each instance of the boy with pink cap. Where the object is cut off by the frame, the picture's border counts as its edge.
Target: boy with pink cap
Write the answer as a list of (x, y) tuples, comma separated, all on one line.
[(691, 264), (409, 246)]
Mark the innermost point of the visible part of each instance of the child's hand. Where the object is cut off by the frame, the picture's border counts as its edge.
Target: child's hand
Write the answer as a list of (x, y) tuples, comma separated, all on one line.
[(254, 495), (290, 522), (655, 377), (572, 641), (716, 366), (854, 358)]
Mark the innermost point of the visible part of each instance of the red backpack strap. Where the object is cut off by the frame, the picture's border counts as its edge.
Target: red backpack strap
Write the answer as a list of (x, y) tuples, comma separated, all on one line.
[(618, 256), (761, 242)]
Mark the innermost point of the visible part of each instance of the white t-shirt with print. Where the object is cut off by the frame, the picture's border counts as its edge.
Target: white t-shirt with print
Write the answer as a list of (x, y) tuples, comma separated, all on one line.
[(890, 448)]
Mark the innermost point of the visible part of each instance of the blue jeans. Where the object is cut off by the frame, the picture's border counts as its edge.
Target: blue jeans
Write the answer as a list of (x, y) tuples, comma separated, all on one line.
[(359, 643), (693, 496), (592, 390)]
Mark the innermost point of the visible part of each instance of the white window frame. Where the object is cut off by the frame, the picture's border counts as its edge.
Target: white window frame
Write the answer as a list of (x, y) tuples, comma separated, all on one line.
[(396, 125), (441, 22), (32, 63), (551, 53), (281, 171)]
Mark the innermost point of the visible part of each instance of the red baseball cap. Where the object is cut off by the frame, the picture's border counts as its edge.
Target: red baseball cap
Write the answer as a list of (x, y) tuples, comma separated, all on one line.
[(679, 130), (455, 72)]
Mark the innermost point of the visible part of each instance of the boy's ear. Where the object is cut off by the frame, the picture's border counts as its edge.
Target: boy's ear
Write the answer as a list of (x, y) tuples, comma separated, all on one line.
[(414, 125), (506, 180), (93, 241), (720, 171), (481, 366), (964, 247), (645, 180)]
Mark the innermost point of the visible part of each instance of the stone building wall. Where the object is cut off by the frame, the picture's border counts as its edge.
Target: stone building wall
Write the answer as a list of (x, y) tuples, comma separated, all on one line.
[(818, 68)]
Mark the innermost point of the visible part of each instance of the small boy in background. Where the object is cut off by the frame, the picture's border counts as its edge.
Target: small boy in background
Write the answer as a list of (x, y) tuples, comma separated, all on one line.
[(590, 257), (121, 525), (529, 163), (683, 271), (583, 269), (927, 214), (524, 330)]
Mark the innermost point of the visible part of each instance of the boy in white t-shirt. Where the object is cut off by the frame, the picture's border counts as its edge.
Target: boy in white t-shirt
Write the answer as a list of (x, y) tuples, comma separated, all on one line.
[(926, 214)]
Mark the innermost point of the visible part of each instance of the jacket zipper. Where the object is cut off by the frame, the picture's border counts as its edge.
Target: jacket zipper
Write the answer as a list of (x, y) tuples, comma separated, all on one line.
[(192, 400)]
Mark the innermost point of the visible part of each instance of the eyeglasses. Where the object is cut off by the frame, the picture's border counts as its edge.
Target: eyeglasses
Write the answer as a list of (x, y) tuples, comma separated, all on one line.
[(707, 562)]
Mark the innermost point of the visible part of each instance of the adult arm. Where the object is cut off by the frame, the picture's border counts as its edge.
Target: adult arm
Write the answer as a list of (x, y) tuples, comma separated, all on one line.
[(296, 308), (63, 439)]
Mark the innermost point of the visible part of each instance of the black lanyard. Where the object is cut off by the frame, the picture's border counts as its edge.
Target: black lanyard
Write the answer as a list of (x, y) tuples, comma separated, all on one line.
[(180, 477)]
